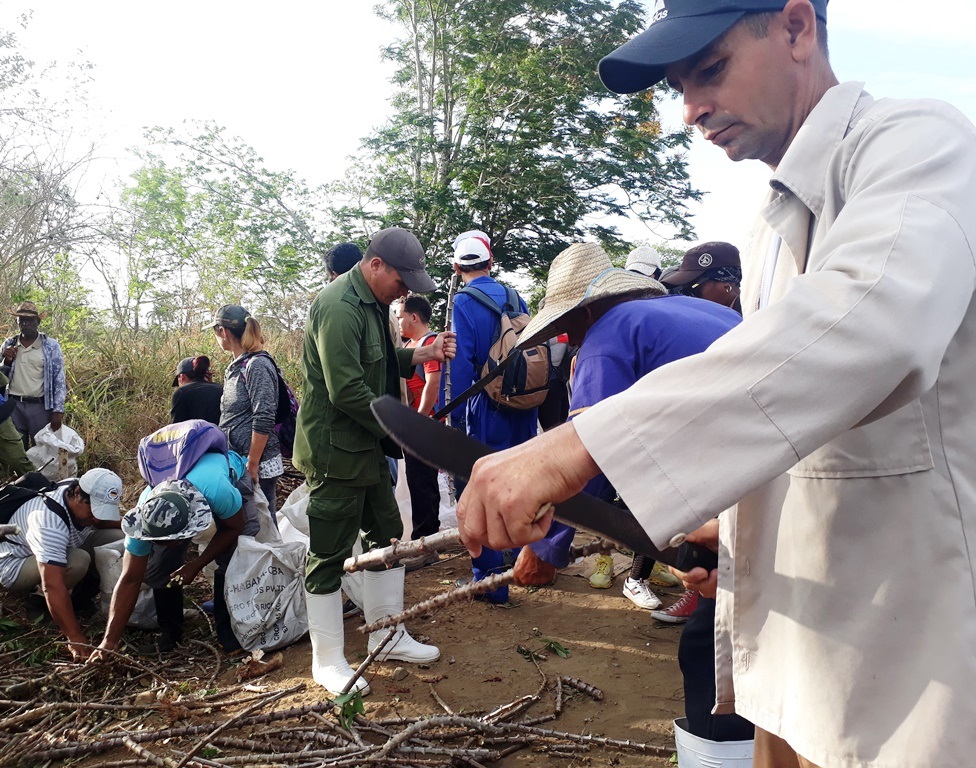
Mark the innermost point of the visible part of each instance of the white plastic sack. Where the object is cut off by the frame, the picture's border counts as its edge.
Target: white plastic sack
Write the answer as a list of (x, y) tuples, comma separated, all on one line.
[(265, 587), (108, 563), (293, 516), (56, 453)]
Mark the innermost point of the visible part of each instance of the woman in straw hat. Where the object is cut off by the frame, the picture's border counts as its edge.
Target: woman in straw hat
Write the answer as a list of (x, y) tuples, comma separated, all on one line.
[(622, 339)]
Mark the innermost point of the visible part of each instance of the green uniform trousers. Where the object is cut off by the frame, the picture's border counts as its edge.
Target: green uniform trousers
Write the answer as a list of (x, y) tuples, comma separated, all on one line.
[(13, 458), (336, 515)]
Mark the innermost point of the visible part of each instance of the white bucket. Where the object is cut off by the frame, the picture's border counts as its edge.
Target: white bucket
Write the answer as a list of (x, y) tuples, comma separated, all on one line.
[(695, 752)]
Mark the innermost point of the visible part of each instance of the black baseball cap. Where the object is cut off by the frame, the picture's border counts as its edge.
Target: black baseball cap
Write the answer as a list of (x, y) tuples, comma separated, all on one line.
[(229, 316), (679, 29), (184, 367), (698, 260), (401, 250)]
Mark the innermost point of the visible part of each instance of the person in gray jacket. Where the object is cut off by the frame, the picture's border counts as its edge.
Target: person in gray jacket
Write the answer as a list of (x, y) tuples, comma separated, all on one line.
[(250, 399)]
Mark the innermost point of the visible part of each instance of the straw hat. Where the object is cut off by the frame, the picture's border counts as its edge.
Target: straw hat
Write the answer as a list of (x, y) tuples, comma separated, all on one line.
[(583, 276), (25, 309)]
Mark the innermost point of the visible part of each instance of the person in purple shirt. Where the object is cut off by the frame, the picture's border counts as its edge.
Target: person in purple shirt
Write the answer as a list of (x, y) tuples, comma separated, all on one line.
[(627, 327)]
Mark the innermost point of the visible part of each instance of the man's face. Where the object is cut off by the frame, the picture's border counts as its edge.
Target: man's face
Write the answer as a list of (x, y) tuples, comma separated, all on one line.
[(384, 281), (28, 325), (744, 92), (79, 508), (408, 322)]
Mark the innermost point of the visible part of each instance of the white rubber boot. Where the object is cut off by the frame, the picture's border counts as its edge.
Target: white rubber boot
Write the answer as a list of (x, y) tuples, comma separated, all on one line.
[(382, 597), (329, 666)]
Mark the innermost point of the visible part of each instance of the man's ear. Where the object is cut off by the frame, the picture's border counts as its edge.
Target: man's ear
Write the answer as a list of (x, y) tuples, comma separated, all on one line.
[(800, 21)]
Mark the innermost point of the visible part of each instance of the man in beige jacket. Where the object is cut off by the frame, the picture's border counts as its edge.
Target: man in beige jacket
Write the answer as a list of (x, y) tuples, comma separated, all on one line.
[(839, 420)]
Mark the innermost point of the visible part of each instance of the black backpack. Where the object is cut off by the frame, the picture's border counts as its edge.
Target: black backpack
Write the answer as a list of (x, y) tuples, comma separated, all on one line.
[(286, 414), (26, 487)]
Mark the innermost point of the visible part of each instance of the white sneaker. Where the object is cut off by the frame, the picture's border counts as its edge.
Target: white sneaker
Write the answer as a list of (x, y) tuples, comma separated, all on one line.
[(640, 594)]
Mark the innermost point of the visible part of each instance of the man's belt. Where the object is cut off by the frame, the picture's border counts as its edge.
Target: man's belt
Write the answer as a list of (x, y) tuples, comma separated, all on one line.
[(23, 399)]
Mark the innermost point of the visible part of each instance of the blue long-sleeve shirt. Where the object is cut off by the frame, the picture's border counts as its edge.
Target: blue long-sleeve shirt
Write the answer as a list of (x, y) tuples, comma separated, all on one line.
[(476, 326)]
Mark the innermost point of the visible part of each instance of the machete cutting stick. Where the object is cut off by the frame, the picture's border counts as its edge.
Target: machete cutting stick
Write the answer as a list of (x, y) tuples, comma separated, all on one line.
[(400, 550), (440, 446)]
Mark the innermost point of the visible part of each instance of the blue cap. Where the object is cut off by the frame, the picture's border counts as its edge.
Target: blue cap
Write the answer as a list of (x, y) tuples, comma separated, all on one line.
[(679, 29)]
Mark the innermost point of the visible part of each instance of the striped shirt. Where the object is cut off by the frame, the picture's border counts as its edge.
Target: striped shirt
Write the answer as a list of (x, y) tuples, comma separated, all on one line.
[(43, 535)]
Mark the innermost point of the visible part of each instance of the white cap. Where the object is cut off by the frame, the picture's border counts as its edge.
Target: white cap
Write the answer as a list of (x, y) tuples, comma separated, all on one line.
[(644, 259), (472, 247), (105, 489)]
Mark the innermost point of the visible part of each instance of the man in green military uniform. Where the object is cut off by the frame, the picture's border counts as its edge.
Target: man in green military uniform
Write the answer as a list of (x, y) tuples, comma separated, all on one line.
[(348, 360), (13, 457)]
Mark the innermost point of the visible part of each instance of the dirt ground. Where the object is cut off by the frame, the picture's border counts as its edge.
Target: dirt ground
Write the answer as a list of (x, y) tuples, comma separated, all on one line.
[(612, 645)]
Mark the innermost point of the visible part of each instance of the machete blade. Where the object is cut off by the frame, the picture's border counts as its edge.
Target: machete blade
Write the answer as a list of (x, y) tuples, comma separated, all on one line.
[(446, 448)]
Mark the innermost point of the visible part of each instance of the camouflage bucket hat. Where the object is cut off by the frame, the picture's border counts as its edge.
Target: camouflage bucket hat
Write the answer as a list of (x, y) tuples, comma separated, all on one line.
[(174, 509)]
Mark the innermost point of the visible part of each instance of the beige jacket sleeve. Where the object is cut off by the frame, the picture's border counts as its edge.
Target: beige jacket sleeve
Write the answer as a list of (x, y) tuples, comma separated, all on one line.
[(858, 335)]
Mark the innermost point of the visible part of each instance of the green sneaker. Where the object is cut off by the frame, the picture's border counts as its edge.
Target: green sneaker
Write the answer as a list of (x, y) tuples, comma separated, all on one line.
[(662, 577), (602, 577)]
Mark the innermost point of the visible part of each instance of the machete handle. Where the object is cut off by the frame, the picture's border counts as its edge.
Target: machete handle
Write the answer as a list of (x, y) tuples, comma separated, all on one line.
[(690, 556), (547, 507)]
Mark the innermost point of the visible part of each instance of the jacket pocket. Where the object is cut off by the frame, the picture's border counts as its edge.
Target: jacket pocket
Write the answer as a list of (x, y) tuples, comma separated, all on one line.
[(898, 444), (352, 440), (370, 353)]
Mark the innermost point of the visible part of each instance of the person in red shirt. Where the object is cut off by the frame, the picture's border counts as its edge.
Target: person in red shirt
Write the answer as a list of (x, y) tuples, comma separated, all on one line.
[(424, 386)]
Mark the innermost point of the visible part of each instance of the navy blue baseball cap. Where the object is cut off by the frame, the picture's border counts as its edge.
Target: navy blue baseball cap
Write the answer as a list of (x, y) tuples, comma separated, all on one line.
[(679, 29)]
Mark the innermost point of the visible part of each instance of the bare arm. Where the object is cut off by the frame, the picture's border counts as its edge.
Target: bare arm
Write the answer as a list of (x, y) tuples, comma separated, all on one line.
[(227, 533), (59, 603), (123, 602), (442, 348), (431, 390)]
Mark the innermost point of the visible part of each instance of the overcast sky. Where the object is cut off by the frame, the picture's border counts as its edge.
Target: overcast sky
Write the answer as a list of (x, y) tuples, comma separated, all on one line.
[(302, 82)]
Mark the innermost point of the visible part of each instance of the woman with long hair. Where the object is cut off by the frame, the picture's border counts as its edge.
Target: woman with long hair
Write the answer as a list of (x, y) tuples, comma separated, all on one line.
[(250, 398)]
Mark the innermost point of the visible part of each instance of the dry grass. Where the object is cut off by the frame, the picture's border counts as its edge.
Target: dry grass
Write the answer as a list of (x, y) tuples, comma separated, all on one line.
[(118, 392)]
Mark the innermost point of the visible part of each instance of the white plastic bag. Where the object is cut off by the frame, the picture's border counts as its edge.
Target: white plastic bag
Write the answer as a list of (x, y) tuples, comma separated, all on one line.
[(265, 587), (108, 563), (293, 516), (56, 453)]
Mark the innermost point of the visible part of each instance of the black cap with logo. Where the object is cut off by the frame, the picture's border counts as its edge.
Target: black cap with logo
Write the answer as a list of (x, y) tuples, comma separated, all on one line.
[(698, 260)]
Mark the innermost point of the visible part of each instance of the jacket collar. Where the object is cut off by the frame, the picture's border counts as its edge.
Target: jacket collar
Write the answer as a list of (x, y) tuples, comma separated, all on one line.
[(798, 186), (360, 286), (803, 170)]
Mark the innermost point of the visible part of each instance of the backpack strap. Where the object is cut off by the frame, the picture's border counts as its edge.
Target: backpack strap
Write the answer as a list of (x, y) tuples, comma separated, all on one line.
[(512, 299), (482, 298), (419, 367), (250, 357)]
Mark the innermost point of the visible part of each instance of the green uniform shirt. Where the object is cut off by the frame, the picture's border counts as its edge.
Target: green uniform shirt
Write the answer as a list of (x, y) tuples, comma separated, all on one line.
[(345, 357)]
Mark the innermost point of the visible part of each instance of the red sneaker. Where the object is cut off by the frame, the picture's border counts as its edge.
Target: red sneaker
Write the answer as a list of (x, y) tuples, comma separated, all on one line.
[(680, 611)]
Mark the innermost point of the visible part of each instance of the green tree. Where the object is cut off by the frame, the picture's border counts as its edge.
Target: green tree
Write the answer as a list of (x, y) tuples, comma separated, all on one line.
[(41, 166), (500, 122), (204, 223)]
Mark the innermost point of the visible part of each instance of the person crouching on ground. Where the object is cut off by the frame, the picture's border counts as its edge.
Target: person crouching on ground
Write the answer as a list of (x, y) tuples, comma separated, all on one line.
[(54, 549), (158, 533)]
